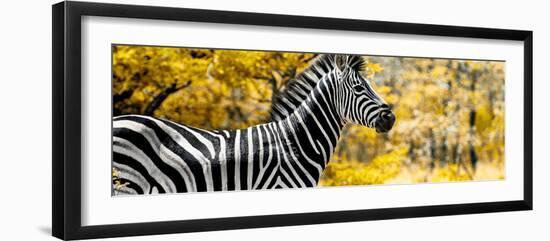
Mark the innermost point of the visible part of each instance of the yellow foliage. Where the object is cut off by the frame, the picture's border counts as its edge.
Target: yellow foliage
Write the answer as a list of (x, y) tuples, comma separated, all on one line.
[(373, 68), (215, 89), (382, 168), (451, 172)]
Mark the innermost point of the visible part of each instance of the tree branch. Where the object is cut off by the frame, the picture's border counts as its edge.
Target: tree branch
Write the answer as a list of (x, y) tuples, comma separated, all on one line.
[(117, 98), (157, 100), (122, 96)]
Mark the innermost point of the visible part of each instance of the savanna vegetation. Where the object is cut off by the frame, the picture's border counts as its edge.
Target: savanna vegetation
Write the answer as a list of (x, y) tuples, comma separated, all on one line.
[(450, 113)]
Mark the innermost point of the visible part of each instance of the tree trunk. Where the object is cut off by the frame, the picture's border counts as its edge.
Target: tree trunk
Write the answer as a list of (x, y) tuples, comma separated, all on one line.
[(473, 154)]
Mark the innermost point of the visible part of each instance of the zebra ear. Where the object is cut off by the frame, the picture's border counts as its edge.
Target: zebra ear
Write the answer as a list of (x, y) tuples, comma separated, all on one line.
[(340, 61)]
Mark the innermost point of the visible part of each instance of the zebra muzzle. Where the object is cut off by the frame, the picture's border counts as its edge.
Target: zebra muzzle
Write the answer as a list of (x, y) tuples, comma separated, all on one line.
[(385, 121)]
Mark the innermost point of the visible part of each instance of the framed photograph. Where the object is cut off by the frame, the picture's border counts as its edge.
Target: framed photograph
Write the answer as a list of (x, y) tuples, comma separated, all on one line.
[(169, 120)]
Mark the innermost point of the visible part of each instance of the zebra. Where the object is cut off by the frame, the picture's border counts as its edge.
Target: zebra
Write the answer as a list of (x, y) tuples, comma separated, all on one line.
[(154, 155)]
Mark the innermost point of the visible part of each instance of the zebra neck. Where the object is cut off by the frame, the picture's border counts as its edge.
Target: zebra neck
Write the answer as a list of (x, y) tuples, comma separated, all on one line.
[(298, 89), (315, 125)]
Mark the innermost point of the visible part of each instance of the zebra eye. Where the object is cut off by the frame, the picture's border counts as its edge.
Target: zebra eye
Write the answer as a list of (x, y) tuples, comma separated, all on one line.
[(359, 88)]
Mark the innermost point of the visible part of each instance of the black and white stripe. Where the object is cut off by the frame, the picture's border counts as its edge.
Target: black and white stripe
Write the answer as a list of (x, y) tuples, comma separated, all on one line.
[(159, 156)]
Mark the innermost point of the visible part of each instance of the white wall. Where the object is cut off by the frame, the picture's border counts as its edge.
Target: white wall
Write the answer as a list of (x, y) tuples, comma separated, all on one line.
[(25, 135)]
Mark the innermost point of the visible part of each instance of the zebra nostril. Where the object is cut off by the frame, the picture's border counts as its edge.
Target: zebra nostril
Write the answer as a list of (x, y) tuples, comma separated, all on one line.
[(388, 117)]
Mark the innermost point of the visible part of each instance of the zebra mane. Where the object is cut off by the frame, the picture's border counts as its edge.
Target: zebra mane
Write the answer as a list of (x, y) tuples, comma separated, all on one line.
[(296, 90)]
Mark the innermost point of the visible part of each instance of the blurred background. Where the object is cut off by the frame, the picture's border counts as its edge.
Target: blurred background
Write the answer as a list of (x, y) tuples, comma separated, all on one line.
[(450, 113)]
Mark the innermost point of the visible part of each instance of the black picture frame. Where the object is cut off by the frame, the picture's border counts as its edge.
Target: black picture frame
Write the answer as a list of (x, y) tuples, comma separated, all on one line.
[(66, 47)]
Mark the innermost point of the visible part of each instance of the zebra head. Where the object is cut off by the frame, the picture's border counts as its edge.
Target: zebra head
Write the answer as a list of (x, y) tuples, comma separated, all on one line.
[(357, 102)]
